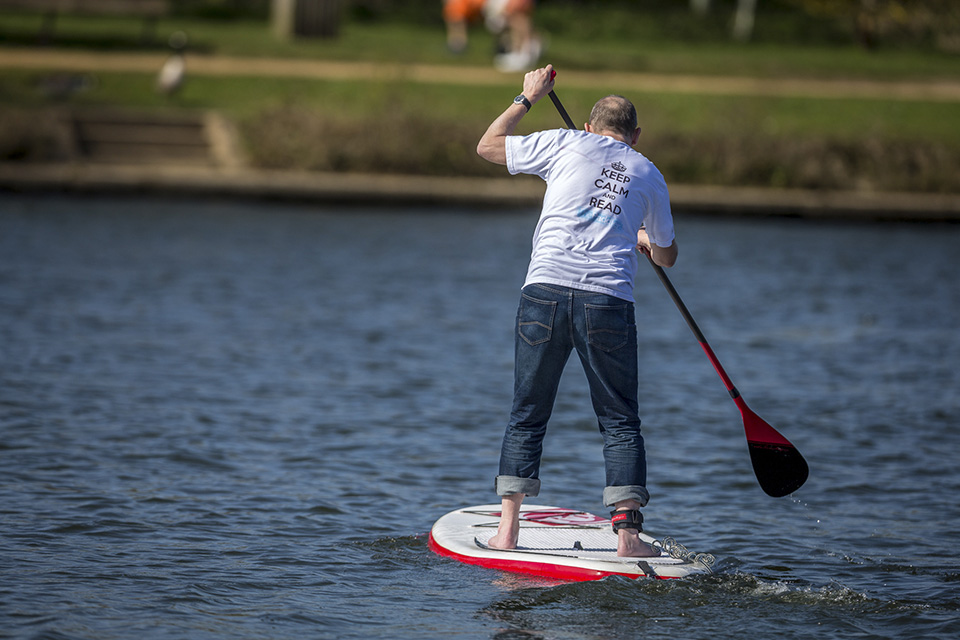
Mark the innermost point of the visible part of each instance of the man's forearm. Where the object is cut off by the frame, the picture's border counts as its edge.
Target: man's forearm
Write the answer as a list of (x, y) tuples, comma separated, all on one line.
[(664, 256), (493, 143)]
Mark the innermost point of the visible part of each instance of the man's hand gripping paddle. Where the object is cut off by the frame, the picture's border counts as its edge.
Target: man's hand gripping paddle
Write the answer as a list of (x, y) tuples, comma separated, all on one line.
[(779, 467)]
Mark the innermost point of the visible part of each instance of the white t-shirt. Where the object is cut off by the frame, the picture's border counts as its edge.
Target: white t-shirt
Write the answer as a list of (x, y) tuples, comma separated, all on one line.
[(599, 193)]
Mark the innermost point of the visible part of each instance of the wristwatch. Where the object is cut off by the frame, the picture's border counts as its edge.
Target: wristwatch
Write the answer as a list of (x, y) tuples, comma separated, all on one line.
[(522, 99)]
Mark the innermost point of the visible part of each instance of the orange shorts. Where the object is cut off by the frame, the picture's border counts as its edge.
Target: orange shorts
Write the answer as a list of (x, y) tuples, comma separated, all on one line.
[(462, 10)]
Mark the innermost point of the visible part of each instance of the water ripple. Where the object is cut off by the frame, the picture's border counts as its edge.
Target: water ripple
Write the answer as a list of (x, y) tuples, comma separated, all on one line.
[(241, 421)]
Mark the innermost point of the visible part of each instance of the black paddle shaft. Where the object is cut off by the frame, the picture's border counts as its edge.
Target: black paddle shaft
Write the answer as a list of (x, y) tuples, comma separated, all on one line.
[(734, 393), (563, 112)]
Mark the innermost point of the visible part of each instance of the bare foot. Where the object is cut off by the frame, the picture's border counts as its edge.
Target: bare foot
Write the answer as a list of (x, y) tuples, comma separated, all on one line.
[(629, 545), (509, 529), (503, 540)]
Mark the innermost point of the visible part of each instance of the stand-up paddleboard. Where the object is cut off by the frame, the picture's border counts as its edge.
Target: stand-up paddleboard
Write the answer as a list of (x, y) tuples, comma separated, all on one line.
[(557, 543)]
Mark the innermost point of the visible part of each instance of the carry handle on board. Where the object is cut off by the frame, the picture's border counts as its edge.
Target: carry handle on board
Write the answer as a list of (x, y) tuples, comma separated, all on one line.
[(779, 467)]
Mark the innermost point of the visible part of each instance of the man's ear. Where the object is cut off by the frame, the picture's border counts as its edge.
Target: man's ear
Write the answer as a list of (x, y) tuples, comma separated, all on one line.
[(636, 136), (587, 127)]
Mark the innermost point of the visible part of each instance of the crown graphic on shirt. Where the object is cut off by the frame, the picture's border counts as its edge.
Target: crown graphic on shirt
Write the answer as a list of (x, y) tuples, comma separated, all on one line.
[(619, 166)]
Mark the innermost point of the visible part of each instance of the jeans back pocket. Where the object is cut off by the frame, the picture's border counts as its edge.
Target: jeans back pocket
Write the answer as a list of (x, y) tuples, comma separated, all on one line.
[(535, 319), (609, 326)]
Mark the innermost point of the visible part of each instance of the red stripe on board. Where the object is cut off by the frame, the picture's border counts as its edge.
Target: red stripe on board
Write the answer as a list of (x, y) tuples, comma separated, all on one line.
[(561, 572)]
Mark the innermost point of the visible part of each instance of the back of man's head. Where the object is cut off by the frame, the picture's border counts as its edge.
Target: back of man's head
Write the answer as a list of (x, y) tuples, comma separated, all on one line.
[(615, 114)]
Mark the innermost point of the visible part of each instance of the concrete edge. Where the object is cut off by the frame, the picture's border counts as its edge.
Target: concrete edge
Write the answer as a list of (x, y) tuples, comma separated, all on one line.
[(398, 190)]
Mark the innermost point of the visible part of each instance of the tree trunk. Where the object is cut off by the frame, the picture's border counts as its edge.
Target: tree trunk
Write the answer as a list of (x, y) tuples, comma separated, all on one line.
[(866, 24), (743, 20), (306, 18)]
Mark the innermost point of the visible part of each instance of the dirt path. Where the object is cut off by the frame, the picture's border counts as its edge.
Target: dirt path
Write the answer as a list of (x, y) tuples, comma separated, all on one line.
[(68, 60)]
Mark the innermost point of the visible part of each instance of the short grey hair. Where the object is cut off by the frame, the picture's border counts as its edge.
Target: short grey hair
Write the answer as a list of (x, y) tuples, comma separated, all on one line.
[(614, 113)]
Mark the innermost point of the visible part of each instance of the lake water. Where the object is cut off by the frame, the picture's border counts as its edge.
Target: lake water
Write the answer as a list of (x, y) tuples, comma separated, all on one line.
[(240, 420)]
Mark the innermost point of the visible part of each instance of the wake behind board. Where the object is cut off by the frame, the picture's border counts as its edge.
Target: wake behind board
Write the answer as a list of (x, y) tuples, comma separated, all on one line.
[(557, 543)]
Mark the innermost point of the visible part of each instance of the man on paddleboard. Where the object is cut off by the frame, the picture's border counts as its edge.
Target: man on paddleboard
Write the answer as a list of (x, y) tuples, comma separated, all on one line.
[(603, 201)]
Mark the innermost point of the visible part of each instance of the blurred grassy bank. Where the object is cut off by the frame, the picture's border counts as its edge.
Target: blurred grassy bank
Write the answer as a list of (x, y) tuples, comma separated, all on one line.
[(398, 125)]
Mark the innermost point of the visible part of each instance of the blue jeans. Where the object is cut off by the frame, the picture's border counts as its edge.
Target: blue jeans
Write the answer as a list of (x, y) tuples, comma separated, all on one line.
[(552, 321)]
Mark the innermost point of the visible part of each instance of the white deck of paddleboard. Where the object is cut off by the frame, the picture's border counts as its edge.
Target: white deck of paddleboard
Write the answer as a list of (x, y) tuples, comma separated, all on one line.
[(553, 541)]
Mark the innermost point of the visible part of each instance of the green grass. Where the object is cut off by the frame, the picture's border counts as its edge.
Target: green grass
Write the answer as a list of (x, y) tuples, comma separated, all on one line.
[(612, 38), (845, 119), (697, 138)]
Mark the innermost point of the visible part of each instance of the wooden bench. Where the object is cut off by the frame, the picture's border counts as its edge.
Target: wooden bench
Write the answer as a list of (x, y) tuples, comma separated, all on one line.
[(150, 10)]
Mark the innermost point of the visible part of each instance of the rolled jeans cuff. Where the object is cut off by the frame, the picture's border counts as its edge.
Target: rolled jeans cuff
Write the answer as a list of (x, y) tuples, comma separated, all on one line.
[(509, 485), (613, 495)]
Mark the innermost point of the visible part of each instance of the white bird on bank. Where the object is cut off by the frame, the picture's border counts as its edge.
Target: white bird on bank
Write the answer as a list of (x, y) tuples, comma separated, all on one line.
[(173, 71)]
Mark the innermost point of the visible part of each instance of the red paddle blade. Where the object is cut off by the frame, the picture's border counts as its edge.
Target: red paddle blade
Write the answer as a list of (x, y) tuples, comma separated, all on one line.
[(779, 467)]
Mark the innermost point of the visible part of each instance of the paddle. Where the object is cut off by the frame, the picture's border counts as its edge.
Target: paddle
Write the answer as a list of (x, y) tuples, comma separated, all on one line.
[(779, 467)]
